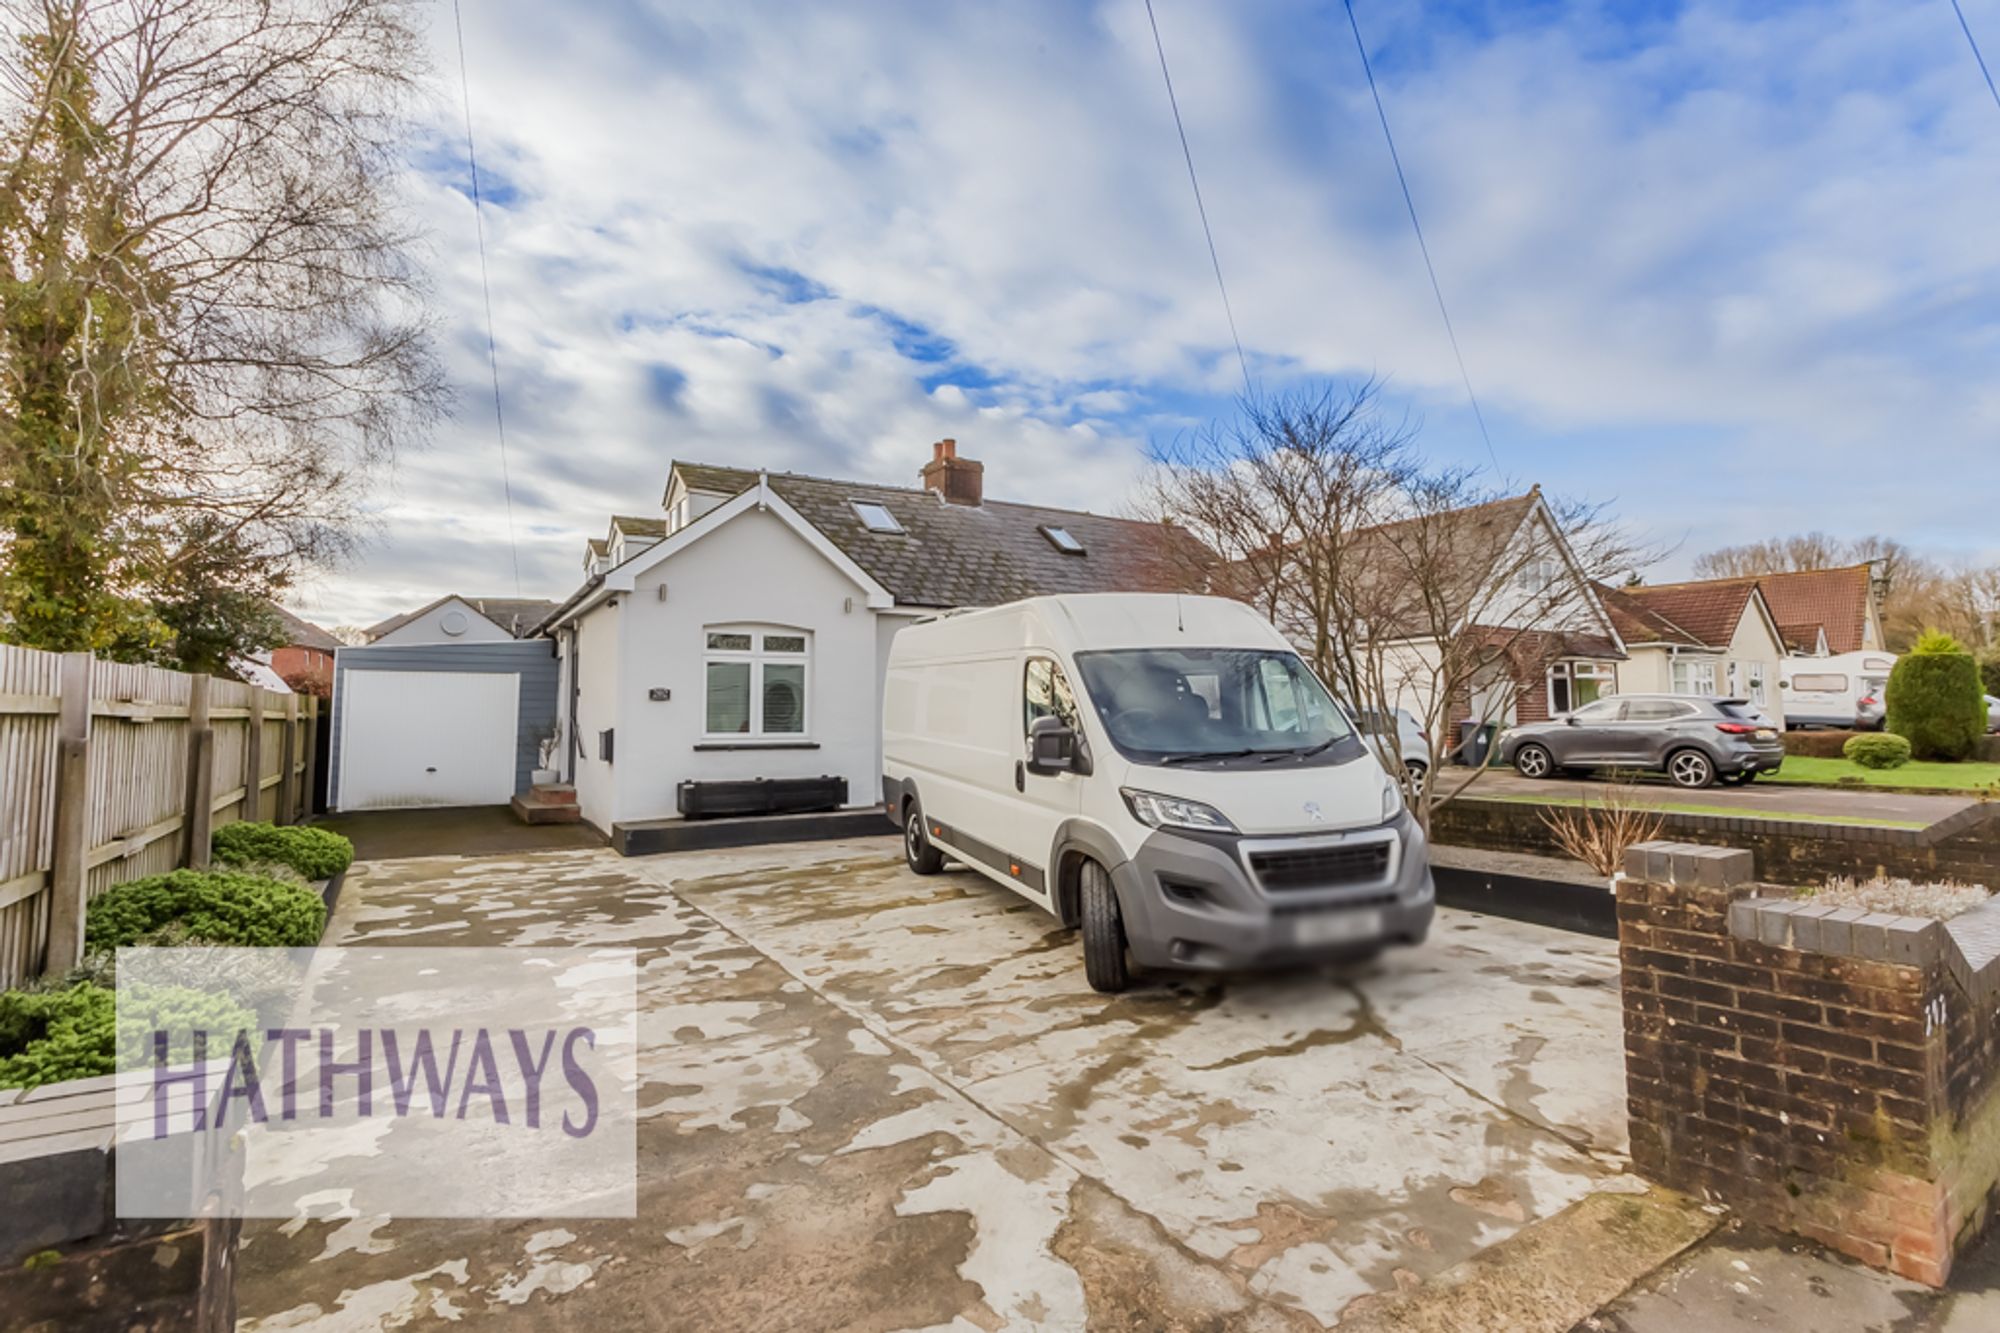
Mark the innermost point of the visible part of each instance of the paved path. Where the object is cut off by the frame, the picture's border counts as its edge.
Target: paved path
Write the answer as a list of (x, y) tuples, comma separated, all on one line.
[(1758, 798), (871, 1100)]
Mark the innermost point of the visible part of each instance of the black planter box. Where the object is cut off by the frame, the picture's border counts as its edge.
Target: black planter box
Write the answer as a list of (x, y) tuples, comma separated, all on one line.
[(760, 796)]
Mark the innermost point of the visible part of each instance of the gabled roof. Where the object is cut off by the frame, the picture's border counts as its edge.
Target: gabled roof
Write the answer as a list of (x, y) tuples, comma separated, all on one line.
[(963, 555), (518, 616), (1705, 614), (639, 527), (302, 633), (1834, 599), (599, 546)]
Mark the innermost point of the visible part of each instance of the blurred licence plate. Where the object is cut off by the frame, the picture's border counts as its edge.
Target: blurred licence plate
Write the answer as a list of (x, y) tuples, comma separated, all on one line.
[(1766, 734), (1336, 927)]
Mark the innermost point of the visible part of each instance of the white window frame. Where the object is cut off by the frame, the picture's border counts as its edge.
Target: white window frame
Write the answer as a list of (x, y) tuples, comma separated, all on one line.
[(891, 526), (1572, 672), (1691, 665), (758, 657)]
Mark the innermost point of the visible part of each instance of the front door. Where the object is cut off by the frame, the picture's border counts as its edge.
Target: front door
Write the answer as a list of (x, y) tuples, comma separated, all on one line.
[(1045, 800)]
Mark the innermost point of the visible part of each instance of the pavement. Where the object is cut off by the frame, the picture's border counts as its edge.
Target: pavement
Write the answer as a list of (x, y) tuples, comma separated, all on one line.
[(872, 1100), (1756, 799)]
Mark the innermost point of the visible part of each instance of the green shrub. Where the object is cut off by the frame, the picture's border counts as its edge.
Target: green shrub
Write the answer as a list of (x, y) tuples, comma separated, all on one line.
[(1877, 751), (214, 906), (1989, 673), (1935, 700), (313, 852), (179, 1011), (50, 1036)]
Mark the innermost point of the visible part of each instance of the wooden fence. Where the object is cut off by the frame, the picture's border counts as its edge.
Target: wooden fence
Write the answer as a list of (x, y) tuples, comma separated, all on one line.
[(109, 772)]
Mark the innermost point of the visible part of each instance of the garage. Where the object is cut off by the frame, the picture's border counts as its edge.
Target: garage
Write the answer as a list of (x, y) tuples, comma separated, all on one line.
[(439, 725)]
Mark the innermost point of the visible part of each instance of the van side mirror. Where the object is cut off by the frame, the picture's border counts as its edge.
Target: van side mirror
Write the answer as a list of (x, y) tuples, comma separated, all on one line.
[(1055, 748)]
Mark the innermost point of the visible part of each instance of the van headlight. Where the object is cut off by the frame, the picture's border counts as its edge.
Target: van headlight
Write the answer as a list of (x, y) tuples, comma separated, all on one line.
[(1157, 811), (1392, 800)]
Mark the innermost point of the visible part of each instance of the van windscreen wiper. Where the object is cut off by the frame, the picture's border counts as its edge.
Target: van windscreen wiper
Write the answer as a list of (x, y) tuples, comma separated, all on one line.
[(1199, 756), (1305, 753)]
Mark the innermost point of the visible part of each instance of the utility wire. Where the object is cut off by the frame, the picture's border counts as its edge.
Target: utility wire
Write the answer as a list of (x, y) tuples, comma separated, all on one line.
[(1242, 362), (1408, 202), (486, 290), (1973, 42)]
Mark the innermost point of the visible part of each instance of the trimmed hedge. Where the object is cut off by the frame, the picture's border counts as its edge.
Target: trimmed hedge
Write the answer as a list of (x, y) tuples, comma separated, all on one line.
[(1935, 700), (180, 1012), (1880, 751), (1820, 744), (214, 906), (313, 852), (50, 1036)]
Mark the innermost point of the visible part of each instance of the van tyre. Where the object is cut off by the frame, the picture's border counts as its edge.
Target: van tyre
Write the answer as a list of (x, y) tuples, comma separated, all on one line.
[(1690, 768), (1103, 931), (918, 850)]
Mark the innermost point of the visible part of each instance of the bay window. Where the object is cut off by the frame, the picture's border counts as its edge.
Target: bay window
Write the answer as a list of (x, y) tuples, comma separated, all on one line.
[(1574, 684), (754, 682)]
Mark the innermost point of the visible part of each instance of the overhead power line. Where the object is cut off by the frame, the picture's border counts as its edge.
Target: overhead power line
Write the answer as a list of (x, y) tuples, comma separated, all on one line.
[(1410, 203), (486, 291), (1973, 42), (1173, 102)]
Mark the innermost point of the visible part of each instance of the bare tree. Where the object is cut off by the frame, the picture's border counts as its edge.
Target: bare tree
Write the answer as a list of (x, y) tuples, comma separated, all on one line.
[(1405, 585), (214, 325)]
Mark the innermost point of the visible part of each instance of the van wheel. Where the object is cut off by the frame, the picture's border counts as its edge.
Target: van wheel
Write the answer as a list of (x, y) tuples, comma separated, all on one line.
[(1103, 932), (922, 855)]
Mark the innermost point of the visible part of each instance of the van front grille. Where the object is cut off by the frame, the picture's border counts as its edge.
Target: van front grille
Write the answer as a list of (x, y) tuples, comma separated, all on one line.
[(1326, 867)]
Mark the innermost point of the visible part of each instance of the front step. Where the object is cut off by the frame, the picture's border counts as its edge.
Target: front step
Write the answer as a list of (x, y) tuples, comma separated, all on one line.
[(554, 803)]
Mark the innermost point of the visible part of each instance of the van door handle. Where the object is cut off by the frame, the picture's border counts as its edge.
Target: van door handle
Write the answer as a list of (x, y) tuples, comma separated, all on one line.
[(1020, 776)]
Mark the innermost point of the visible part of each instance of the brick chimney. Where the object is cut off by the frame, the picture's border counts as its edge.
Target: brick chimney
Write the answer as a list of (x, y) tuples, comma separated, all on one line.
[(960, 481)]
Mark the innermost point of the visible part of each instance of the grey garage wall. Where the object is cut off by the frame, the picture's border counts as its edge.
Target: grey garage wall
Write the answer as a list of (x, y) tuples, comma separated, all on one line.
[(533, 660)]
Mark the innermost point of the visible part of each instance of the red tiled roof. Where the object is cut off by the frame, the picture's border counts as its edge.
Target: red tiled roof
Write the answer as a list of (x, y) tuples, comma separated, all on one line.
[(1705, 613), (1639, 623), (1834, 599)]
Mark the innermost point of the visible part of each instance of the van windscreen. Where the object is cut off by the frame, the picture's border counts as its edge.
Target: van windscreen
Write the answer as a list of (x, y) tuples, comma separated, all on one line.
[(1170, 705)]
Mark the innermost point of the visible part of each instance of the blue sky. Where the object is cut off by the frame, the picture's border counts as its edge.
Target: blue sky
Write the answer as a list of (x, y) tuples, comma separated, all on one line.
[(1731, 267)]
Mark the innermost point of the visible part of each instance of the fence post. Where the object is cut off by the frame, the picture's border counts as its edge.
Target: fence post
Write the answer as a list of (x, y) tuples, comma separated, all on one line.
[(72, 823), (309, 779), (199, 818), (253, 758), (288, 778)]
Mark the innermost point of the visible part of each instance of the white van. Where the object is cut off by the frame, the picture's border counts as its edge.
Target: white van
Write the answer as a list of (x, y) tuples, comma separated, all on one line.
[(1826, 691), (1162, 771)]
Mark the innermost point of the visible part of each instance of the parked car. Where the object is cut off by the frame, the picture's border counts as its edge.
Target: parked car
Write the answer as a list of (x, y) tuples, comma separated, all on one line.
[(1162, 771), (1872, 712), (1694, 741), (1412, 743)]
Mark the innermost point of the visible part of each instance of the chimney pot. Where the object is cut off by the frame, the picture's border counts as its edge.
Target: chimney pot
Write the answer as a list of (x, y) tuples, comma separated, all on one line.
[(958, 481)]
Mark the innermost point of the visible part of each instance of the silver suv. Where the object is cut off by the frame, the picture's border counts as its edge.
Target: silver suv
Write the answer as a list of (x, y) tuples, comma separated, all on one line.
[(1695, 741), (1412, 743)]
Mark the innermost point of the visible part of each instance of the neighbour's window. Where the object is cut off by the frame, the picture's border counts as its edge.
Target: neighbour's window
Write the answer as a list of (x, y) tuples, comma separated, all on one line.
[(755, 682), (875, 517), (1574, 684), (1047, 694), (1063, 540), (1694, 677), (1536, 575), (1823, 681)]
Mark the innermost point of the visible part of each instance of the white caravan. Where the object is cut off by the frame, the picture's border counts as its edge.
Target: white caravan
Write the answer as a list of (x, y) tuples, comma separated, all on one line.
[(1162, 771), (1825, 691)]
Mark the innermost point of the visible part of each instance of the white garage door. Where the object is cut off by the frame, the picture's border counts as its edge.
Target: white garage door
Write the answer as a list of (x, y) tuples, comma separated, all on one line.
[(427, 738)]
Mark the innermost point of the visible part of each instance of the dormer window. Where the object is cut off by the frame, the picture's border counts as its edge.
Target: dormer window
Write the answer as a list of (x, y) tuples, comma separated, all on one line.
[(1063, 541), (875, 517)]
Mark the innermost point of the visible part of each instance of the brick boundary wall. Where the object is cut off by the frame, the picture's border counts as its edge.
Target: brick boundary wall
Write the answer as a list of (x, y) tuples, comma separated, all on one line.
[(1828, 1072), (1964, 846)]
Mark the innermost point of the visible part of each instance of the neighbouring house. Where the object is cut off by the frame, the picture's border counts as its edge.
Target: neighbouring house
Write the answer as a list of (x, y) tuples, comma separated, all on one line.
[(745, 638), (455, 619), (1716, 637), (1518, 603), (304, 661), (1824, 612)]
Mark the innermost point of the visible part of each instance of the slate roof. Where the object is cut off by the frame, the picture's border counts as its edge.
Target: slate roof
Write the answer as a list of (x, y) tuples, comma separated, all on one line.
[(962, 555), (639, 527), (1804, 602), (302, 633), (519, 616), (1702, 615)]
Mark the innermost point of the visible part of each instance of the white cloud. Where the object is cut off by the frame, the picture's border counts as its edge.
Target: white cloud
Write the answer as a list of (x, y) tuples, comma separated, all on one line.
[(1736, 255)]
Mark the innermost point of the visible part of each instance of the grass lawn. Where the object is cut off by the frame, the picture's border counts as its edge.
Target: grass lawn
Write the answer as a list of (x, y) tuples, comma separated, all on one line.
[(1736, 811), (1845, 772)]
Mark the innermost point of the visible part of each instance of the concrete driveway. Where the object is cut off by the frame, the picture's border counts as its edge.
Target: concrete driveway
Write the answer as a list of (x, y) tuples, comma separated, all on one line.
[(878, 1101)]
